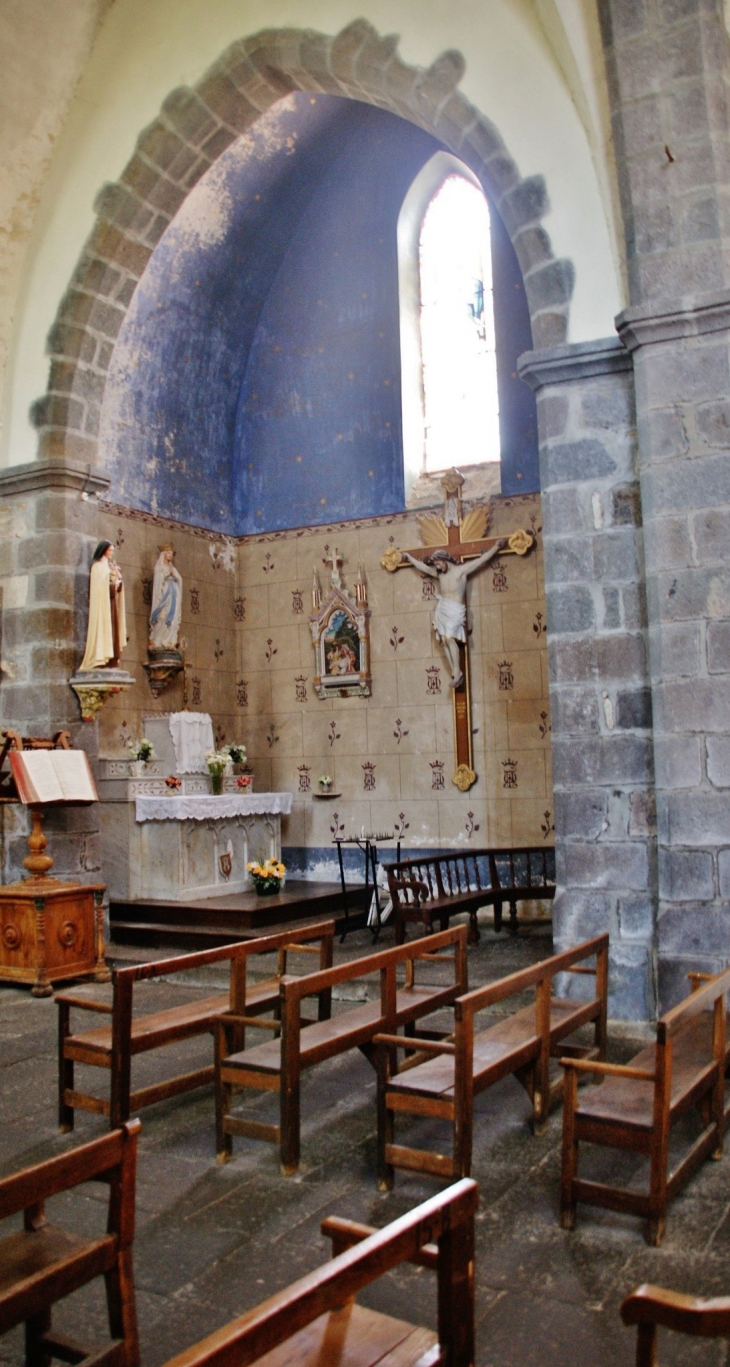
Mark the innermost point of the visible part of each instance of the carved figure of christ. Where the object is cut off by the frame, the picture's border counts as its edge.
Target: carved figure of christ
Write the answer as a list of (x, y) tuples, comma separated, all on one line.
[(449, 618)]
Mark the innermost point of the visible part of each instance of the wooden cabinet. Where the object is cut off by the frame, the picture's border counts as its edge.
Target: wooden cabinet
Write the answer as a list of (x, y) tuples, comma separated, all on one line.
[(50, 932)]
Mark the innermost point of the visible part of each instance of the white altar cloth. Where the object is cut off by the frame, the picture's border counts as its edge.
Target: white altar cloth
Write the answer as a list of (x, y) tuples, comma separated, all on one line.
[(212, 808)]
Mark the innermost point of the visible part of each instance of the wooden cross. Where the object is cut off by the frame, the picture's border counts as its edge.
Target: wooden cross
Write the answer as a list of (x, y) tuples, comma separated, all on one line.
[(464, 538)]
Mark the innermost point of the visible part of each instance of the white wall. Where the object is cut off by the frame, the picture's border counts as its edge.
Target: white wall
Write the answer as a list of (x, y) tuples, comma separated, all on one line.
[(541, 89)]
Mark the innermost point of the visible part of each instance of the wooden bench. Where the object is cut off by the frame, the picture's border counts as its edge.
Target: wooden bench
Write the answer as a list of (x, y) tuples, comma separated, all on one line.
[(277, 1064), (442, 1078), (113, 1046), (650, 1306), (317, 1321), (638, 1104), (42, 1263), (439, 886)]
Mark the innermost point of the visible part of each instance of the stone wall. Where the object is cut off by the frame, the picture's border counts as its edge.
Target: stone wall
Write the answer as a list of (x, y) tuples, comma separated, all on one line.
[(599, 687)]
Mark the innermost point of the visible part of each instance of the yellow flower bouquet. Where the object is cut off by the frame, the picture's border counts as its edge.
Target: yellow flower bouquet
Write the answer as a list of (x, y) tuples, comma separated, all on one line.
[(268, 877)]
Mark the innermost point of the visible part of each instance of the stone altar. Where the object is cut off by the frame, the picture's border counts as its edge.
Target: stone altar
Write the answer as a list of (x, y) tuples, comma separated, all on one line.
[(188, 847)]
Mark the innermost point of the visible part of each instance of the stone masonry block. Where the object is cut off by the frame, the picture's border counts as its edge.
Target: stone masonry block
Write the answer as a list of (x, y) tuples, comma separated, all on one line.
[(614, 555), (611, 609), (624, 864), (678, 761), (574, 711), (686, 876), (685, 374), (550, 284), (227, 102), (630, 979), (552, 415), (698, 818), (723, 871), (654, 229), (570, 609), (667, 543), (693, 928), (693, 593), (54, 410), (626, 506), (108, 243), (572, 661), (633, 709), (115, 204), (581, 815), (699, 220), (633, 604), (65, 340), (678, 649), (698, 705), (663, 435), (561, 512), (672, 970), (603, 761), (609, 404), (62, 549), (568, 558), (188, 116), (575, 461), (579, 915), (532, 246), (711, 529), (718, 647), (718, 761), (549, 328), (636, 916), (713, 423), (621, 657), (526, 203)]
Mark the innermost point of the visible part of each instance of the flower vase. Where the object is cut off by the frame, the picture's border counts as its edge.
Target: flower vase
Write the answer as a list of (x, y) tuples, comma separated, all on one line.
[(216, 784), (266, 887), (136, 768)]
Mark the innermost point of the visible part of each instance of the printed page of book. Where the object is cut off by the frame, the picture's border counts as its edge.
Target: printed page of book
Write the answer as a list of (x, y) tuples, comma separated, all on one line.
[(74, 775), (35, 776)]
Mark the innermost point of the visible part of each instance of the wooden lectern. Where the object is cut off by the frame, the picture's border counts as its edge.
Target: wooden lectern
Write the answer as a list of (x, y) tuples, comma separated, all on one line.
[(49, 930)]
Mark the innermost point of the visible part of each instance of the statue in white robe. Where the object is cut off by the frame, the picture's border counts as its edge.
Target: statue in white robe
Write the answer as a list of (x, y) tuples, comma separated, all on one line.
[(106, 635), (166, 602)]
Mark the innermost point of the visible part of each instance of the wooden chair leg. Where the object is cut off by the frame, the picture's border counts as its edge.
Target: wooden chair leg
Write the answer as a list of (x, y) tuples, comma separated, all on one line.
[(498, 915), (386, 1119), (36, 1354), (473, 937), (646, 1346), (513, 918), (223, 1091), (121, 1307), (570, 1151), (65, 1070)]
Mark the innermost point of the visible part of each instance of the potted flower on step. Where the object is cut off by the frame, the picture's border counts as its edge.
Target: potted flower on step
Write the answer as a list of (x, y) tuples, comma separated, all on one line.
[(217, 762), (268, 877), (237, 754), (142, 751)]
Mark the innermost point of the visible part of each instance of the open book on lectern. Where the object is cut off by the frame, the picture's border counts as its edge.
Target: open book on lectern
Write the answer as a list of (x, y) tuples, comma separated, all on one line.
[(45, 776)]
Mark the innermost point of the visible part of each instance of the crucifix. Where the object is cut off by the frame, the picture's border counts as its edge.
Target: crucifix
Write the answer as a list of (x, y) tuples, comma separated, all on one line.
[(455, 547)]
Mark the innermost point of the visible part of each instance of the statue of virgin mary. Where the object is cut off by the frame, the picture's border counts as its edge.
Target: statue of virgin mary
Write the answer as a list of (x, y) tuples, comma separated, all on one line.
[(166, 602)]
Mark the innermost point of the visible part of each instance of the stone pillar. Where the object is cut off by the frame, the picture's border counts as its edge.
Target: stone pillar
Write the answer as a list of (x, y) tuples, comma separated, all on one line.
[(48, 519), (600, 703), (667, 67)]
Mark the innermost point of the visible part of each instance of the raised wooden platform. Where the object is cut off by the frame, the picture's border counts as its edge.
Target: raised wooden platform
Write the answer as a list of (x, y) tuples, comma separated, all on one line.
[(219, 920)]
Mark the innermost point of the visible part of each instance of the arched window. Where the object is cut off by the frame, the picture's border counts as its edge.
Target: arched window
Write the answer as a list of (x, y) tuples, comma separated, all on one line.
[(458, 356)]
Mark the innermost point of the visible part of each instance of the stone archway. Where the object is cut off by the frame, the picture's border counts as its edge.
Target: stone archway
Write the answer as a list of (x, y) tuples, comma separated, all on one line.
[(196, 125)]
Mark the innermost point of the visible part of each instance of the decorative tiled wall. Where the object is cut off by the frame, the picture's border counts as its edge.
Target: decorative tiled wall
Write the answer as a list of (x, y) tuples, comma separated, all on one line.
[(391, 756)]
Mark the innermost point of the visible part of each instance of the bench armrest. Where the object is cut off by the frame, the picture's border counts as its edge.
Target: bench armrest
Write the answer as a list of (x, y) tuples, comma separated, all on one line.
[(345, 1233), (608, 1069), (575, 968), (66, 999), (686, 1314), (422, 1046)]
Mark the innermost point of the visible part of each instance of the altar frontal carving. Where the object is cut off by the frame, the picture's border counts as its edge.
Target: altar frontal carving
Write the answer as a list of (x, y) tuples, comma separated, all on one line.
[(340, 629), (455, 547)]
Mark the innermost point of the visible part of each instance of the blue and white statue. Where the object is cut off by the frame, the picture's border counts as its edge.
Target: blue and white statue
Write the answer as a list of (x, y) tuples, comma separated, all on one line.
[(166, 602)]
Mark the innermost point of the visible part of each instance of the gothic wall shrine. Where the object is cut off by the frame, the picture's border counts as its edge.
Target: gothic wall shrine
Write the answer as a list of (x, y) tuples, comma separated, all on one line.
[(245, 622)]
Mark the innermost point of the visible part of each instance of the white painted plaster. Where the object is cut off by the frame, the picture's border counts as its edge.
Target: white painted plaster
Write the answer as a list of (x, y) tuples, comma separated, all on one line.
[(148, 47)]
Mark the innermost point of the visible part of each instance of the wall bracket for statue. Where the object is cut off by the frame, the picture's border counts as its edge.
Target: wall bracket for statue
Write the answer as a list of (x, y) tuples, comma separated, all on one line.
[(340, 629), (455, 546), (95, 687)]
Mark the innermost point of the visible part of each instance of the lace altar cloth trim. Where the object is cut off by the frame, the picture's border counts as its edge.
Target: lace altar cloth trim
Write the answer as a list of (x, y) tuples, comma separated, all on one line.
[(205, 808)]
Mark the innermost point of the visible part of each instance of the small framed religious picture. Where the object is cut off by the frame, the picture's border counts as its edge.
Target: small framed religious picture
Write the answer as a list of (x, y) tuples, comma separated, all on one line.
[(340, 627)]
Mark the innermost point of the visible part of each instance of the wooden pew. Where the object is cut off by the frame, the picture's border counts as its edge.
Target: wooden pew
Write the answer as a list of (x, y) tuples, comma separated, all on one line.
[(442, 1079), (43, 1263), (638, 1104), (649, 1306), (277, 1064), (436, 887), (317, 1322), (114, 1046)]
